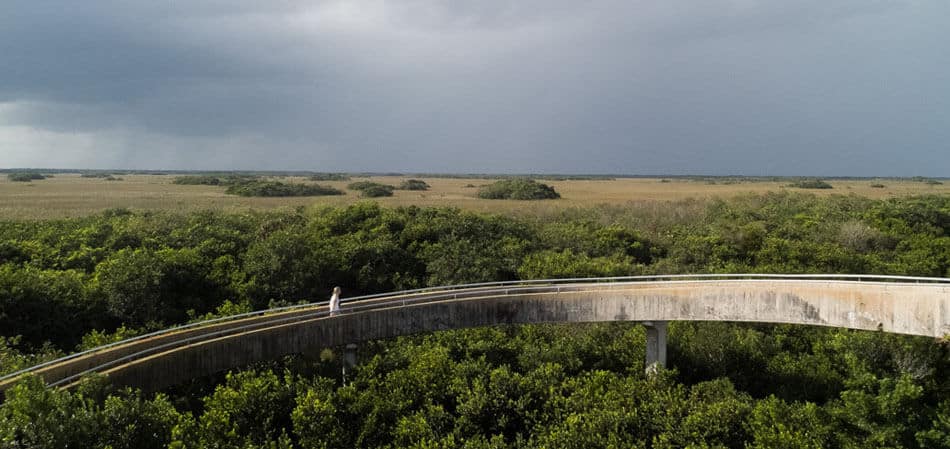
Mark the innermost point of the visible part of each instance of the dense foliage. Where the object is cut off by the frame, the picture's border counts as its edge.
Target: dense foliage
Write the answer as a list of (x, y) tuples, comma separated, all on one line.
[(369, 189), (198, 180), (360, 185), (25, 176), (414, 184), (96, 175), (517, 189), (811, 184), (329, 177), (573, 386), (77, 283), (377, 191), (150, 269), (277, 188), (928, 181)]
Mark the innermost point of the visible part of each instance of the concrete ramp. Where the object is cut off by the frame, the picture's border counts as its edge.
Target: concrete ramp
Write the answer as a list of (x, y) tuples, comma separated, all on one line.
[(914, 306)]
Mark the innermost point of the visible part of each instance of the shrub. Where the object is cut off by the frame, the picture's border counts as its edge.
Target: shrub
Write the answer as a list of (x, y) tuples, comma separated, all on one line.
[(103, 176), (233, 180), (810, 184), (278, 189), (360, 185), (518, 189), (928, 181), (202, 180), (329, 177), (377, 190), (576, 178), (369, 189), (25, 177), (877, 186), (857, 236), (414, 184)]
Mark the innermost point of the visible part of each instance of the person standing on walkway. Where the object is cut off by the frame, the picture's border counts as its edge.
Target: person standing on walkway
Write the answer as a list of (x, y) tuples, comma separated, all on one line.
[(335, 301)]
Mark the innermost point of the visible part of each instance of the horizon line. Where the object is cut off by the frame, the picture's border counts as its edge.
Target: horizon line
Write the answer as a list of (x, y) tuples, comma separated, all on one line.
[(277, 172)]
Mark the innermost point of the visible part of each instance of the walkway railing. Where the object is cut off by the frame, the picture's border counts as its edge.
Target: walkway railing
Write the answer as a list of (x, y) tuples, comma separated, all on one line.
[(265, 318)]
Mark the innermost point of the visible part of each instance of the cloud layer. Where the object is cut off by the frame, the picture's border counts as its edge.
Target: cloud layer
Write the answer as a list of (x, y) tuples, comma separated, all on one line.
[(844, 87)]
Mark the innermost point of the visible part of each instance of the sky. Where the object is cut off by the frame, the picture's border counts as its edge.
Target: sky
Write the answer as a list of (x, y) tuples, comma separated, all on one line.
[(715, 87)]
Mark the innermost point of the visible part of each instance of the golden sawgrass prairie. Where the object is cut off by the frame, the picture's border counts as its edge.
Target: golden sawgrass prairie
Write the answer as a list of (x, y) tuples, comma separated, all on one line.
[(69, 195)]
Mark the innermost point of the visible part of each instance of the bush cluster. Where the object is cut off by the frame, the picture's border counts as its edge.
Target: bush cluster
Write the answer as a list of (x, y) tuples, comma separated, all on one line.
[(517, 189), (244, 185), (369, 189), (198, 180), (329, 177), (811, 184), (25, 176), (102, 176), (414, 184), (279, 189)]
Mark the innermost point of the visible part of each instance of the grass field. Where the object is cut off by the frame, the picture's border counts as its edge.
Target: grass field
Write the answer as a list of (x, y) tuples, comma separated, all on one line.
[(69, 195)]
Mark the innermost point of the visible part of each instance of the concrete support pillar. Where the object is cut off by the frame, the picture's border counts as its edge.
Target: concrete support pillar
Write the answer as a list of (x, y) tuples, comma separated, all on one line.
[(656, 345), (349, 359)]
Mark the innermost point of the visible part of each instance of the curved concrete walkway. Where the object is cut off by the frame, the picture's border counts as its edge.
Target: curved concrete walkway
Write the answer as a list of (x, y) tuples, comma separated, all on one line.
[(915, 306)]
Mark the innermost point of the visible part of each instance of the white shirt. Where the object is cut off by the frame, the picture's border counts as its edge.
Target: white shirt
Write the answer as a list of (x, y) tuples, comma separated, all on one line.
[(335, 302)]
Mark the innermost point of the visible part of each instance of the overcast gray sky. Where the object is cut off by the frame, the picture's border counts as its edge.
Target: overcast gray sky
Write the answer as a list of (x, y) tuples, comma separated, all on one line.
[(756, 87)]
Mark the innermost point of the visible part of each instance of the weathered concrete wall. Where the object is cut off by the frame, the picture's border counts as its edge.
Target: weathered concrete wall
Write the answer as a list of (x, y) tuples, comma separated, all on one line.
[(917, 309), (90, 360)]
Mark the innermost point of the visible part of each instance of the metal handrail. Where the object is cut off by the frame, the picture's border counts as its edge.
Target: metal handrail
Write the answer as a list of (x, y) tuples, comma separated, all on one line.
[(396, 300), (434, 291), (176, 343)]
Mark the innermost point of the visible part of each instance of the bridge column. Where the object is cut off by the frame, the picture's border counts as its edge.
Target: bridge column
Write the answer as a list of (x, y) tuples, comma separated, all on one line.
[(656, 346), (349, 359)]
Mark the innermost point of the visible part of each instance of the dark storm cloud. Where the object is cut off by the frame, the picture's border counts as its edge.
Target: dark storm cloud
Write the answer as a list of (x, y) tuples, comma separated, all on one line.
[(685, 86)]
